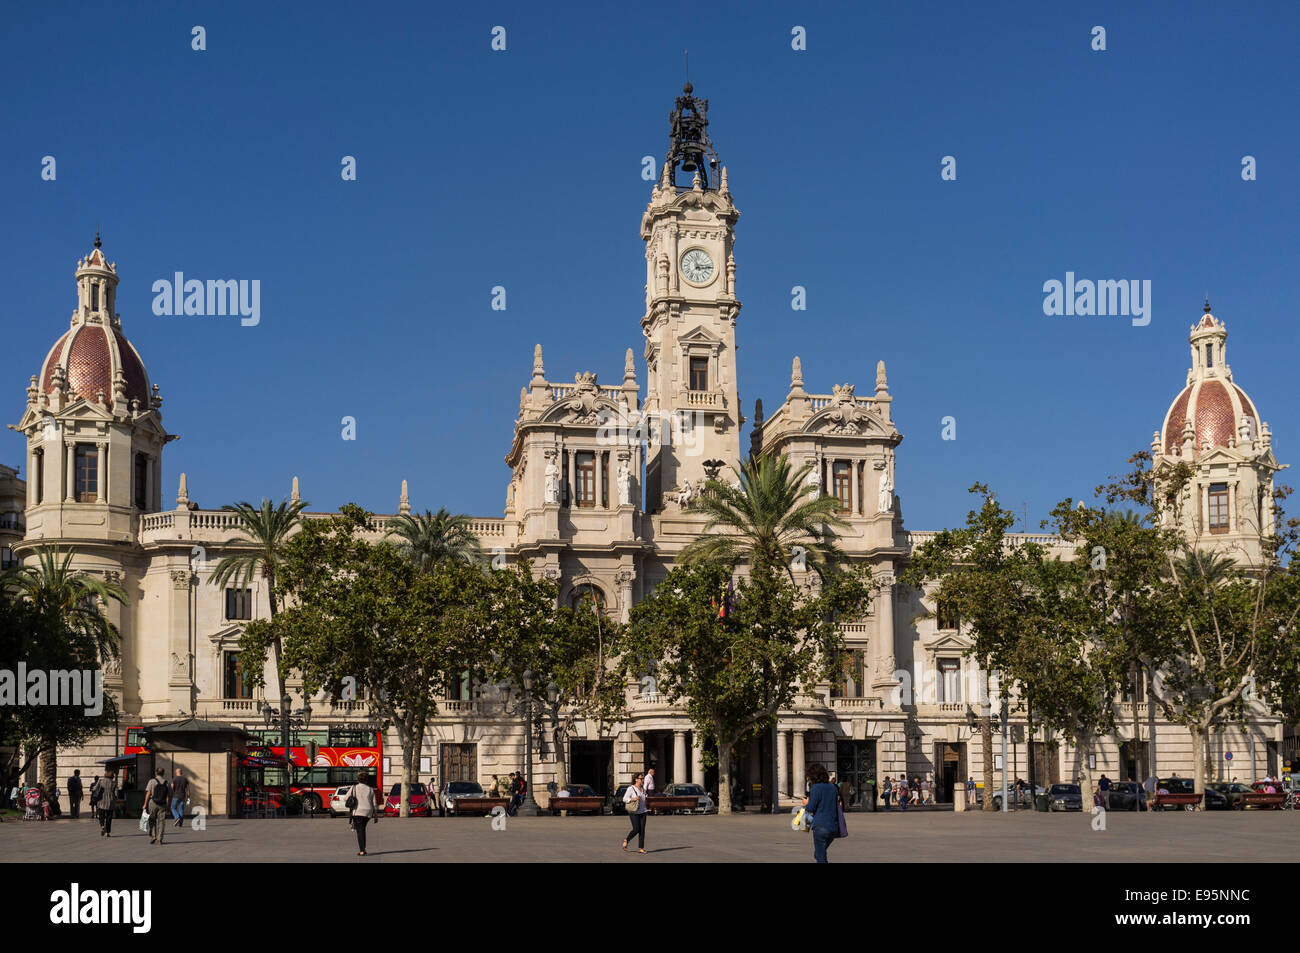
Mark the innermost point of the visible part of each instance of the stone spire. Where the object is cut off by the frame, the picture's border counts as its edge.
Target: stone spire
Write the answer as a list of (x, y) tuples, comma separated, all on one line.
[(796, 375), (404, 503), (629, 368), (295, 496), (183, 495), (882, 382), (756, 434)]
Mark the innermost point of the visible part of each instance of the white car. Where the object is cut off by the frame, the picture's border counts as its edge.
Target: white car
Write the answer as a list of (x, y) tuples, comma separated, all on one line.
[(685, 790), (337, 799)]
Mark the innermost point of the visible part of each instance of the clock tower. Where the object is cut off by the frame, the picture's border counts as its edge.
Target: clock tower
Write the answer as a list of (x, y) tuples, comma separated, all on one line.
[(692, 403)]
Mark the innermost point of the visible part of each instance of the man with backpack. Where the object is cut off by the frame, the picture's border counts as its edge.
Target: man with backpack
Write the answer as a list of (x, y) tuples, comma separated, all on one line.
[(155, 800)]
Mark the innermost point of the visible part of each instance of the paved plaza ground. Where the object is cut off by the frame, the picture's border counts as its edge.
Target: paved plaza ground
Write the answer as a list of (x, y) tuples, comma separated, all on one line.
[(914, 837)]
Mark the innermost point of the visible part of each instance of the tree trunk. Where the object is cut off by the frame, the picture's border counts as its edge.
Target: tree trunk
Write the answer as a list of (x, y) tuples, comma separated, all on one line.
[(1199, 745), (561, 760), (986, 740), (49, 768), (724, 777)]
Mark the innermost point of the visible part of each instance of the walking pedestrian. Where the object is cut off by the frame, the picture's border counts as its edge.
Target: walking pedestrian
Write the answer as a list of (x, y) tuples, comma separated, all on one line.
[(1104, 787), (970, 793), (103, 795), (180, 793), (925, 792), (634, 801), (74, 794), (1149, 786), (650, 782), (823, 803), (361, 805), (155, 799), (887, 792), (903, 793)]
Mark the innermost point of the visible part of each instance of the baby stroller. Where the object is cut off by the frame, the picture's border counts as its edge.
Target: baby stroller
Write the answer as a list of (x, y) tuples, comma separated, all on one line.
[(32, 807)]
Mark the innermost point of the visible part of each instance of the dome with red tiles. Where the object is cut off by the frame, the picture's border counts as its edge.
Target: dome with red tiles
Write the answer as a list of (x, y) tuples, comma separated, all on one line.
[(1219, 412), (94, 357)]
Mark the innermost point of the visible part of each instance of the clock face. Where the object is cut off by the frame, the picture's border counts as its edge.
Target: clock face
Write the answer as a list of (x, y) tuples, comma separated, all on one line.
[(697, 266)]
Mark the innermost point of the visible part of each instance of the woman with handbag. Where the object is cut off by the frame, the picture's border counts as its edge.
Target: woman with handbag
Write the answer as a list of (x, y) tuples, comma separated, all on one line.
[(634, 799), (361, 804), (823, 803)]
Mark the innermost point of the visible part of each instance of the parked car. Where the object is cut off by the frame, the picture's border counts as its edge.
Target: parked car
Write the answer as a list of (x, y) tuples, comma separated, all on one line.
[(454, 790), (1213, 800), (618, 807), (686, 790), (1232, 790), (338, 800), (1064, 797), (1127, 796), (421, 804), (1022, 799)]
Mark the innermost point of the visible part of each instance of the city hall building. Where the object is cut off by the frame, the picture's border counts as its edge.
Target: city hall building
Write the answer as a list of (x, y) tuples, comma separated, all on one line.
[(602, 470)]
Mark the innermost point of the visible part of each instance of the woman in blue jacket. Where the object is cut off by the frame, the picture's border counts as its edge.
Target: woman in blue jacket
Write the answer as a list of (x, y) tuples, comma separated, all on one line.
[(822, 803)]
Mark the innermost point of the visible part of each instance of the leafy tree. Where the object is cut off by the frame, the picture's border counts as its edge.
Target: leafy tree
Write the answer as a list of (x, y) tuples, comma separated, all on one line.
[(266, 531), (1233, 630), (429, 538), (363, 615), (775, 516), (68, 612), (735, 662), (566, 653)]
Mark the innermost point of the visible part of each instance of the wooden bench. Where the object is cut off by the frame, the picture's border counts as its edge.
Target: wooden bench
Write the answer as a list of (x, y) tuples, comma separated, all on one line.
[(475, 805), (575, 805), (1185, 801), (1262, 799), (666, 804)]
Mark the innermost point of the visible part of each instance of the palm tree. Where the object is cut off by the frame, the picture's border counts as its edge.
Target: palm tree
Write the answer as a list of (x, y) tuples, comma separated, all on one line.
[(773, 512), (77, 600), (430, 538), (1206, 569), (265, 530)]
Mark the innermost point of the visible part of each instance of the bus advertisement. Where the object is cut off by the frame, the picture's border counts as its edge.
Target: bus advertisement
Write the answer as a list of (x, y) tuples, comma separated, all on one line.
[(323, 760)]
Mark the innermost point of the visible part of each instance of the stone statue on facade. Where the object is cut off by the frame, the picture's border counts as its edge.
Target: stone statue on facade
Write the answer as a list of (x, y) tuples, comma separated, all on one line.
[(624, 485), (552, 482)]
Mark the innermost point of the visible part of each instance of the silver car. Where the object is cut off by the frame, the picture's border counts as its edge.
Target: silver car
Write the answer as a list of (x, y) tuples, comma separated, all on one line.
[(686, 790)]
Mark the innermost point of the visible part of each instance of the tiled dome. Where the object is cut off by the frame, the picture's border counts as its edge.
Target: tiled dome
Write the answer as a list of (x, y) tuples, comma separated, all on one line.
[(1210, 400), (94, 352)]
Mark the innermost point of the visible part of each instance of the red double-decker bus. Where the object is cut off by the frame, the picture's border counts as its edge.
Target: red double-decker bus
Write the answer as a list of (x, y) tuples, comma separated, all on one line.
[(340, 752)]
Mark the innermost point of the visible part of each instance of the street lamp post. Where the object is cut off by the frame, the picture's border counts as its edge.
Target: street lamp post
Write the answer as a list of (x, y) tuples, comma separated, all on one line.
[(529, 806), (268, 713)]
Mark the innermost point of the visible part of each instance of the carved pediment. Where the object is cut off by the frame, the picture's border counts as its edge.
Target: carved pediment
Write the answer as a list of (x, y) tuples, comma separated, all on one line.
[(699, 335)]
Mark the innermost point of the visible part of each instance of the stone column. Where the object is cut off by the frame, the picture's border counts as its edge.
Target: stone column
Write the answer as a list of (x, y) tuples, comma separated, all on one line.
[(884, 643), (679, 756), (782, 760), (70, 473), (697, 758), (101, 477), (798, 764), (32, 473)]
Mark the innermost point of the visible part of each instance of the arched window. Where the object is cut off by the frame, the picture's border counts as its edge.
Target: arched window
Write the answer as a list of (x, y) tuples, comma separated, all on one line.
[(582, 595)]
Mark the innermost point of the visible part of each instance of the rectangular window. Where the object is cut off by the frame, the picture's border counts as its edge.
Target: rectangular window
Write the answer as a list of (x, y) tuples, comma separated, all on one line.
[(850, 683), (1209, 355), (94, 297), (458, 689), (40, 476), (604, 480), (1217, 517), (861, 488), (948, 618), (7, 558), (841, 484), (235, 684), (141, 481), (699, 373), (585, 483), (459, 762), (949, 681), (86, 463), (239, 603)]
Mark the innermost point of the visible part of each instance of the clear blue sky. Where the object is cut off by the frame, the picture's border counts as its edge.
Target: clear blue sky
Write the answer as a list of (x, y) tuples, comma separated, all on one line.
[(522, 168)]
